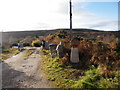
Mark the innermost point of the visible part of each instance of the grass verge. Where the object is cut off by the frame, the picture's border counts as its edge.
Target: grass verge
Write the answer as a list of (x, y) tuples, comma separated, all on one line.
[(28, 53), (70, 77), (6, 53)]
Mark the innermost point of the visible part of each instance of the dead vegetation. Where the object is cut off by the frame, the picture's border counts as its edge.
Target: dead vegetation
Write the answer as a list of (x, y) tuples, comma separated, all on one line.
[(104, 56)]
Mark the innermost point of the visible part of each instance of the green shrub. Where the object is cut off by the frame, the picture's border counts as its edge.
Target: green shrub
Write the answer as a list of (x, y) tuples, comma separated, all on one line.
[(118, 46), (62, 34), (36, 43), (26, 44), (78, 37), (14, 44)]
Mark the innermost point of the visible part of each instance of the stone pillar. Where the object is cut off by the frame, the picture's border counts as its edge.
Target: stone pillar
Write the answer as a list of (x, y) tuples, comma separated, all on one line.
[(20, 46), (59, 49), (43, 44), (53, 51), (74, 57), (47, 45)]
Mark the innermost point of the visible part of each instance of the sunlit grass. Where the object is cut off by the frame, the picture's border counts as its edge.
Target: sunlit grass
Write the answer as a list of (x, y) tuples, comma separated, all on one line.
[(28, 53), (69, 77), (6, 53)]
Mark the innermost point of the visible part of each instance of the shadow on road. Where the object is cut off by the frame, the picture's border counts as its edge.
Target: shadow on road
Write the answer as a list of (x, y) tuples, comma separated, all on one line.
[(9, 75), (20, 73)]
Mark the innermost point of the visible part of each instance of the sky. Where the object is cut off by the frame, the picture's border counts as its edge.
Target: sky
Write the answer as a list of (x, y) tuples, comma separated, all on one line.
[(23, 15)]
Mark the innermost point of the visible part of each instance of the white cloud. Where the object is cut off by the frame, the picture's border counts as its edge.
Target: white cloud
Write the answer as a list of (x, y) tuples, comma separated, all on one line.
[(98, 0), (41, 14), (26, 14), (102, 25)]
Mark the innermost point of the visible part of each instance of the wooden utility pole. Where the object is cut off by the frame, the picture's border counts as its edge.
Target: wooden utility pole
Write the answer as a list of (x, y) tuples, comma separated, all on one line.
[(70, 19)]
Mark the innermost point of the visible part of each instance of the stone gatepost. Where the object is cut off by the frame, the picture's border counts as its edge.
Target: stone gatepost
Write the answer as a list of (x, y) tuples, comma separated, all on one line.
[(53, 51), (47, 45), (59, 49), (74, 57)]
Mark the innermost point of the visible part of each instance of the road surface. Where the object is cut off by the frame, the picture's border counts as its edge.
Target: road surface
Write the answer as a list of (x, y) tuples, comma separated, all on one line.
[(20, 73)]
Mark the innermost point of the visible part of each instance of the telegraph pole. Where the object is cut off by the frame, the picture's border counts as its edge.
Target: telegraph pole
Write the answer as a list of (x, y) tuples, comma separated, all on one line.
[(74, 56), (70, 19)]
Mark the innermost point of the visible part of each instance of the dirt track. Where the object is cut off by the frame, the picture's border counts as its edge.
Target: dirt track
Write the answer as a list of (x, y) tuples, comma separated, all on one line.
[(20, 73)]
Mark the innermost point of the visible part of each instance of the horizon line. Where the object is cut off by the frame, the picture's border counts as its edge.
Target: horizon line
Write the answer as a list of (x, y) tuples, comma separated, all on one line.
[(57, 29)]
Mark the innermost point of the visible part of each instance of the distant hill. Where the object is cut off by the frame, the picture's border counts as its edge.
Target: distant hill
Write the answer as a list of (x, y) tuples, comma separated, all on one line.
[(14, 36)]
